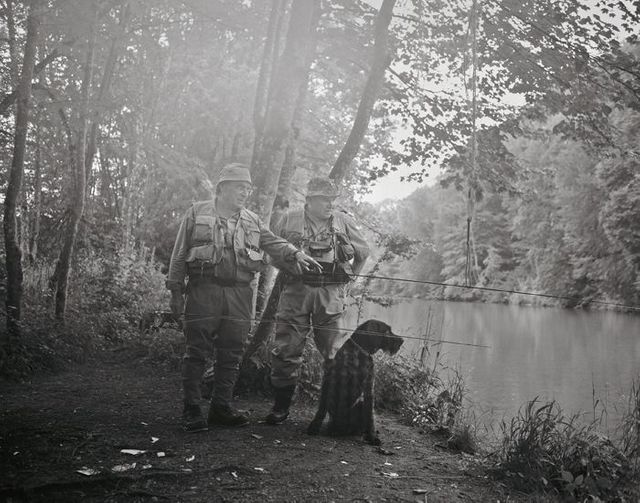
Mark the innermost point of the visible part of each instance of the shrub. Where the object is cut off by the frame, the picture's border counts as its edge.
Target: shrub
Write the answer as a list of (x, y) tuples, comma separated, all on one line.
[(106, 297)]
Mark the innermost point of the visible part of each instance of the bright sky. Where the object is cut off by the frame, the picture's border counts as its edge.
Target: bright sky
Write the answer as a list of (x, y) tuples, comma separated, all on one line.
[(391, 187)]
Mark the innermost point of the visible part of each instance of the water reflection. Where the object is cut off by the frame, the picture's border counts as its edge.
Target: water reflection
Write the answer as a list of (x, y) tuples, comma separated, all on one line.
[(552, 353)]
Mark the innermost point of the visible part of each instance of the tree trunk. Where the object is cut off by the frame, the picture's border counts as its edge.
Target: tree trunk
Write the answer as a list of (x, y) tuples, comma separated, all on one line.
[(129, 195), (12, 248), (289, 74), (269, 56), (289, 163), (8, 99), (78, 197), (281, 203), (370, 93), (380, 62), (24, 227), (105, 85), (14, 65), (37, 201)]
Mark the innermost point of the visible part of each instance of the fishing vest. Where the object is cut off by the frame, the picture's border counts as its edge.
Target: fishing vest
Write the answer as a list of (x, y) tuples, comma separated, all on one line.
[(207, 241), (331, 249)]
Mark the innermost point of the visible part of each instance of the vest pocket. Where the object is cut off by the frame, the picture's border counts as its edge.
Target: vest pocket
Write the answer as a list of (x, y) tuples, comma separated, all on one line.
[(253, 255), (207, 253), (345, 251), (203, 229)]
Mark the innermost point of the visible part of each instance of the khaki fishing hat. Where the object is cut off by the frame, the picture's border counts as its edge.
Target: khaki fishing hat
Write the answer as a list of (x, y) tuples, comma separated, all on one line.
[(322, 186), (234, 172)]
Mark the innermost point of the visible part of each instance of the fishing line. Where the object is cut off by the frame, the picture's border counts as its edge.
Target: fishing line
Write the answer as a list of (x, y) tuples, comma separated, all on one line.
[(188, 318), (492, 289)]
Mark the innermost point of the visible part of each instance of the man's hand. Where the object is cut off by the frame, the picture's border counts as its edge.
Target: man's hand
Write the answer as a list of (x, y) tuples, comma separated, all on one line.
[(176, 304), (305, 263)]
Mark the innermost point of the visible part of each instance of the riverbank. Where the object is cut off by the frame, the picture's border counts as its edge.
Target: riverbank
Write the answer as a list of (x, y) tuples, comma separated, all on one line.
[(62, 438)]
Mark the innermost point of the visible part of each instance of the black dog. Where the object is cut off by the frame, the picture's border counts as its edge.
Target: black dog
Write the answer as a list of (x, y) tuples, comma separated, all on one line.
[(347, 386)]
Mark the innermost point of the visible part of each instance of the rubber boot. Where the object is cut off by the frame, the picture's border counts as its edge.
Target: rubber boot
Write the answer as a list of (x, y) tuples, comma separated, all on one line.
[(192, 419), (280, 411), (222, 414)]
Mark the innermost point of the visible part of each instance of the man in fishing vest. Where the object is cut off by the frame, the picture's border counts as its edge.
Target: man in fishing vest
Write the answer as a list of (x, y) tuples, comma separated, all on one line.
[(220, 247), (313, 299)]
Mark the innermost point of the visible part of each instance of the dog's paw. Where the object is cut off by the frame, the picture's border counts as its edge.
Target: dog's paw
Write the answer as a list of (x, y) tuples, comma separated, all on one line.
[(313, 428)]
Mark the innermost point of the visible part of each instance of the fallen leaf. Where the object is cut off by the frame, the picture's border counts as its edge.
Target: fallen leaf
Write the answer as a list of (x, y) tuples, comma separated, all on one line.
[(259, 469), (160, 454), (344, 462), (16, 453), (146, 467), (388, 464), (385, 452), (143, 423), (154, 440), (123, 468), (187, 470), (87, 471), (190, 458), (566, 476), (234, 475), (133, 452), (391, 475), (277, 442), (256, 436)]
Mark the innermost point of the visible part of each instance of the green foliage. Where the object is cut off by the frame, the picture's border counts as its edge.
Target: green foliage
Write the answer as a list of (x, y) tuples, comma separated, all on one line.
[(107, 297), (430, 399), (543, 450), (569, 228)]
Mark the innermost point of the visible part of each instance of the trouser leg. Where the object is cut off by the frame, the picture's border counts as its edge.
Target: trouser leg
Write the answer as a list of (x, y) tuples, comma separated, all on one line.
[(292, 328), (329, 332), (231, 341), (202, 312)]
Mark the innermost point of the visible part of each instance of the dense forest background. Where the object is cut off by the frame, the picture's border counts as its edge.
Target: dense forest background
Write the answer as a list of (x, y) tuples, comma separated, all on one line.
[(116, 115)]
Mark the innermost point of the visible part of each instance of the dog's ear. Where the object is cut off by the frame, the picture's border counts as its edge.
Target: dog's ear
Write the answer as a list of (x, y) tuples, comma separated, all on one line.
[(375, 335), (369, 336)]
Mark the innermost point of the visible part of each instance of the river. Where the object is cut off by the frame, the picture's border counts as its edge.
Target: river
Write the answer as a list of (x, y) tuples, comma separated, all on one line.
[(571, 356)]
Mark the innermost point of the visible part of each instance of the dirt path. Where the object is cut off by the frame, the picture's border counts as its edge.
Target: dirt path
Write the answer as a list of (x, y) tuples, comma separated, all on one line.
[(81, 419)]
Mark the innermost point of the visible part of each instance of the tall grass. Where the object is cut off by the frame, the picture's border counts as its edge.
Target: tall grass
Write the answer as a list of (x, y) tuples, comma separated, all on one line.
[(629, 430), (543, 450)]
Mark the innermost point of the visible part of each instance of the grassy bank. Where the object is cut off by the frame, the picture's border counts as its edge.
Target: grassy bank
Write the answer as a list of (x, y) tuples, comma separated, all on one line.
[(542, 451)]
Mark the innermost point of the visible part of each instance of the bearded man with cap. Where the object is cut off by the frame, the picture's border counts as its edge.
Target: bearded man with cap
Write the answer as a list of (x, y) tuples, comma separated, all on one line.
[(313, 299), (219, 249)]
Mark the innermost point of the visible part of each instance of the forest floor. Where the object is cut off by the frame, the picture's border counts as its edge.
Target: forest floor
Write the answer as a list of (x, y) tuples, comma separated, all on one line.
[(54, 427)]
